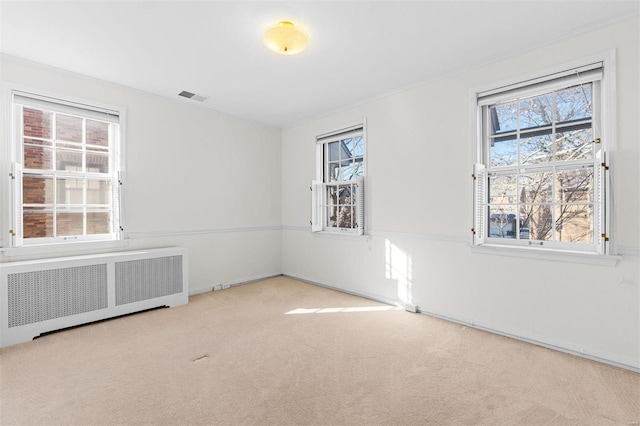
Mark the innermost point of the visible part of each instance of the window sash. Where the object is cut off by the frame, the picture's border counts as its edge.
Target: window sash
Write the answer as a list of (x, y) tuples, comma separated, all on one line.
[(320, 206), (341, 162), (482, 205), (113, 227), (553, 205)]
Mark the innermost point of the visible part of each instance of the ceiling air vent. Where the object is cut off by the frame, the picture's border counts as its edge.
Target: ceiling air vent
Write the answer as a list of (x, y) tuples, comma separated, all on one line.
[(193, 96)]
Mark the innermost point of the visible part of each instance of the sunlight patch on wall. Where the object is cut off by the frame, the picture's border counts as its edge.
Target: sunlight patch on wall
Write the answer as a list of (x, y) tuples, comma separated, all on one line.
[(398, 267)]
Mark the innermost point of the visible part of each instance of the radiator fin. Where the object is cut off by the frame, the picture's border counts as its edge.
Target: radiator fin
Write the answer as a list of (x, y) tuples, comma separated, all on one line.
[(145, 279), (37, 296)]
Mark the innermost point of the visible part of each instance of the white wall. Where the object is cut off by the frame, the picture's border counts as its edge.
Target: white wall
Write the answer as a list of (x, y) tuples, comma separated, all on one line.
[(190, 171), (419, 214)]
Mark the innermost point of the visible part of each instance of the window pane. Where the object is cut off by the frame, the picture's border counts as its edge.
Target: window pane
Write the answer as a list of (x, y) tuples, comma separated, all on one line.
[(503, 118), (98, 191), (538, 221), (574, 185), (334, 172), (575, 145), (69, 223), (332, 201), (68, 128), (536, 187), (349, 172), (502, 189), (344, 195), (345, 217), (37, 189), (332, 216), (504, 152), (536, 112), (358, 168), (334, 151), (37, 157), (574, 223), (68, 160), (537, 149), (332, 192), (574, 103), (69, 191), (97, 133), (357, 149), (347, 148), (98, 223), (502, 222), (37, 223), (36, 123), (97, 163)]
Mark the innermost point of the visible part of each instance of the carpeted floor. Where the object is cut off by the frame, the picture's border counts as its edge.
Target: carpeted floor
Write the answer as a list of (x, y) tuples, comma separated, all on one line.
[(284, 352)]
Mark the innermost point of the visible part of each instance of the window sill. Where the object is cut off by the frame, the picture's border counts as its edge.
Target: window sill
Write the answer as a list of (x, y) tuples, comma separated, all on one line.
[(547, 254), (61, 248), (340, 235)]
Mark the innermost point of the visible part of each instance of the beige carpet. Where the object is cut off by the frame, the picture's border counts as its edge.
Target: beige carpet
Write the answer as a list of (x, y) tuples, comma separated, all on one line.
[(240, 356)]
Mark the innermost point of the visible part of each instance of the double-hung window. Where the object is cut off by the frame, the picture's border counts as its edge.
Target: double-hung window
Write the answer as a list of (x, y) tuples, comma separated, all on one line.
[(338, 191), (541, 170), (65, 171)]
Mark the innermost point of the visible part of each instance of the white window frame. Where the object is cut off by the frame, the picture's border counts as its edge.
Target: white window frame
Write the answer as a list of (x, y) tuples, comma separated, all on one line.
[(319, 187), (11, 167), (603, 250)]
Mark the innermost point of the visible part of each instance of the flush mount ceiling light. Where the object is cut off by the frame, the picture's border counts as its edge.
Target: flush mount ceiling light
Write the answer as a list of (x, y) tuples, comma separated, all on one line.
[(285, 39)]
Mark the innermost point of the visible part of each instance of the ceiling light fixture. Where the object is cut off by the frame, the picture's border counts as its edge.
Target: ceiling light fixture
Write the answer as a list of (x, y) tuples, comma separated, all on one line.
[(285, 39)]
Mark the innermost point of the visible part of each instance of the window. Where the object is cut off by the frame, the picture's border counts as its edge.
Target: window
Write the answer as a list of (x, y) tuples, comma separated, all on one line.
[(540, 179), (65, 171), (338, 192)]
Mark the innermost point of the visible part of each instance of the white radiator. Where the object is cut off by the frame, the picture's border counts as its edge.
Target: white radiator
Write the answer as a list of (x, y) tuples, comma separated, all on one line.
[(38, 296)]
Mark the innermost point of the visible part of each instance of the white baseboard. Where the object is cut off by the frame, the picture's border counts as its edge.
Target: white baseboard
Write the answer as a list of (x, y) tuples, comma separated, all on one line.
[(200, 290), (375, 298)]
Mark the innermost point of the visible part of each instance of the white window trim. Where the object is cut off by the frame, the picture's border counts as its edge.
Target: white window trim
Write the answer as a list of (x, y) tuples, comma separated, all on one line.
[(608, 132), (317, 218), (9, 153), (547, 254)]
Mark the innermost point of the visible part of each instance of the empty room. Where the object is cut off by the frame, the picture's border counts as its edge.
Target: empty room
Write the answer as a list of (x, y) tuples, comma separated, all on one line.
[(320, 212)]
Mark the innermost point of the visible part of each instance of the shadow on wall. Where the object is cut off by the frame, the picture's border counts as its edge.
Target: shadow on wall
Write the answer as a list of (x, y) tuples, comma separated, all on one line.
[(398, 267)]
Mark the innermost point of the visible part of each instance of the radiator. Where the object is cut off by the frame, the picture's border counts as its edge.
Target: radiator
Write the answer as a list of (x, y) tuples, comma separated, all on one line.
[(39, 296)]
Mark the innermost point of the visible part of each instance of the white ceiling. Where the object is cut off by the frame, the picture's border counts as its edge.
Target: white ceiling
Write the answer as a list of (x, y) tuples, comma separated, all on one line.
[(358, 50)]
